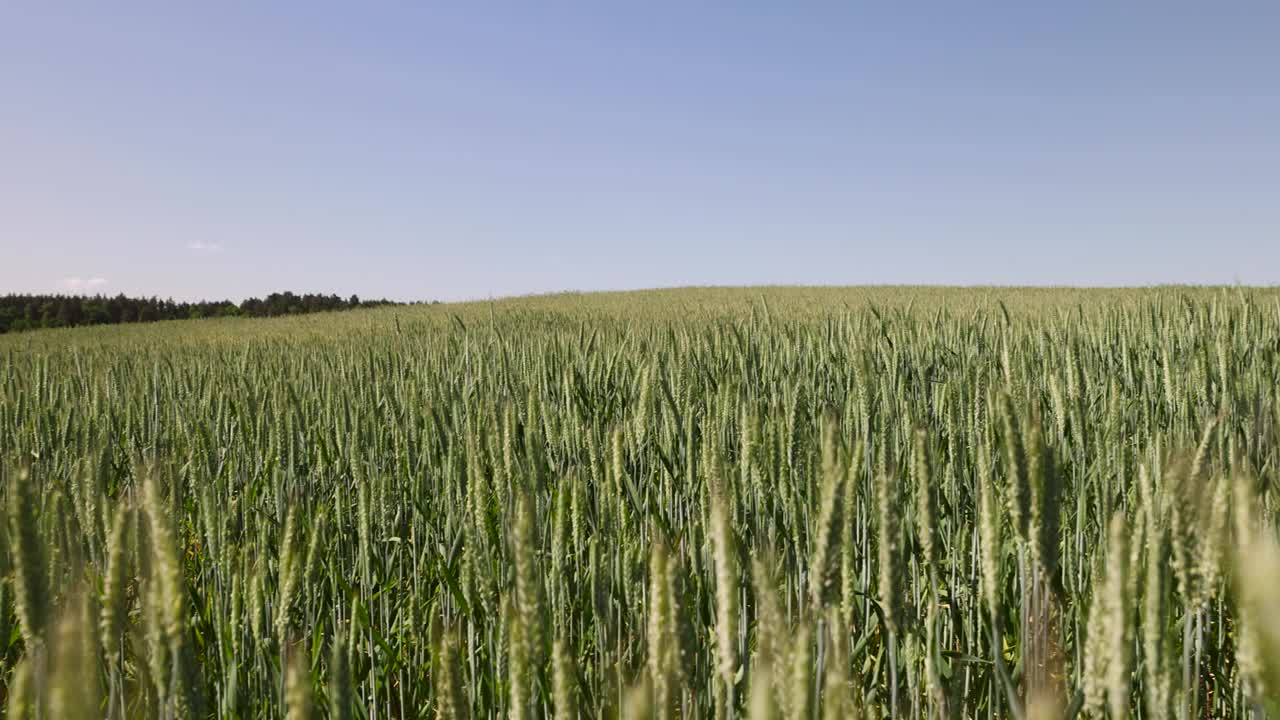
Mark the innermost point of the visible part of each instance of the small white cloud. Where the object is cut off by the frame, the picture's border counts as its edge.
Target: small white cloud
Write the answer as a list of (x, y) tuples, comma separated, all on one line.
[(202, 246), (79, 283)]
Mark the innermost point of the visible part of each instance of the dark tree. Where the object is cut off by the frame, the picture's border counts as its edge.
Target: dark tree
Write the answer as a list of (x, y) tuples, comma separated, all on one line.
[(31, 312)]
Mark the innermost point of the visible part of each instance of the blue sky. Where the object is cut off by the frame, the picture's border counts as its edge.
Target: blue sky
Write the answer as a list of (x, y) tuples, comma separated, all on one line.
[(465, 150)]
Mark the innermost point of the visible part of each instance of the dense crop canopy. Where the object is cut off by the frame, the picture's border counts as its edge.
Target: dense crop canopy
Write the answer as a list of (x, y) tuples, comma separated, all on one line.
[(696, 503)]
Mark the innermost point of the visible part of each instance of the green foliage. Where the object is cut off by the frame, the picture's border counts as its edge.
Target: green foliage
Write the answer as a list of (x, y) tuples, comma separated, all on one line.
[(687, 503), (34, 312)]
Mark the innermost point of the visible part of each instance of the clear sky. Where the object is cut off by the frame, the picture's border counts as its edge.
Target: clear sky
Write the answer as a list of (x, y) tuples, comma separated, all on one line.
[(425, 150)]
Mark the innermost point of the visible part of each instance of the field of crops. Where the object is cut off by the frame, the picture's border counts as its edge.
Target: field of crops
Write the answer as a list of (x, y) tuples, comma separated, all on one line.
[(715, 503)]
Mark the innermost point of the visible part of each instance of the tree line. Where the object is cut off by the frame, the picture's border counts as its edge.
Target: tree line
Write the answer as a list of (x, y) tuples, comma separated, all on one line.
[(32, 312)]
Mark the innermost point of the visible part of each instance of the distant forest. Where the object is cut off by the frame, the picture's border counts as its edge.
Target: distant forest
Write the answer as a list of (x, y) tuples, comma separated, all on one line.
[(32, 312)]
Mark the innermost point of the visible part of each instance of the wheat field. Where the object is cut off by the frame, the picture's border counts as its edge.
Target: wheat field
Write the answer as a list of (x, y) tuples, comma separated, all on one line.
[(700, 503)]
